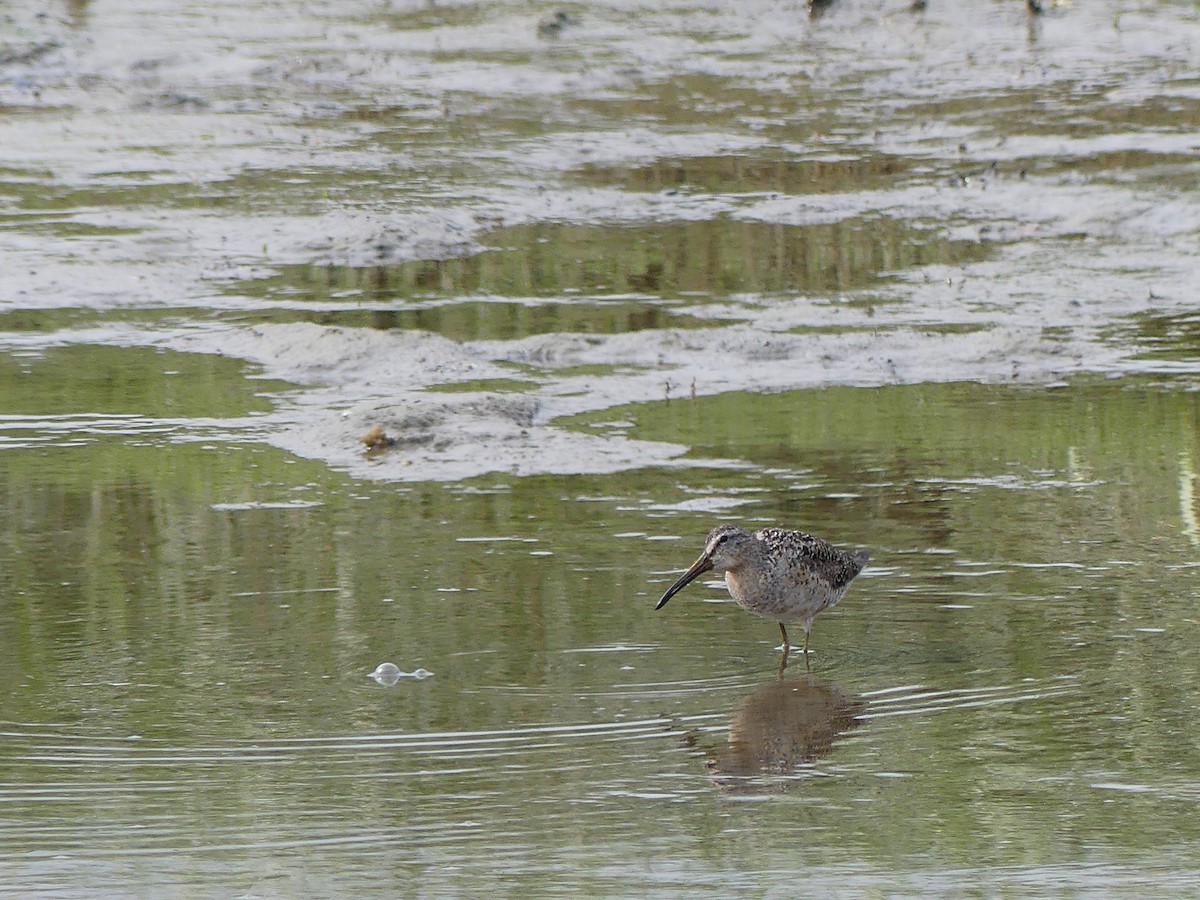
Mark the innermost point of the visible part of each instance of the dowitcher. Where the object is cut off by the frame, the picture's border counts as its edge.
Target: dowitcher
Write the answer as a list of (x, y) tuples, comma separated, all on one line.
[(785, 576)]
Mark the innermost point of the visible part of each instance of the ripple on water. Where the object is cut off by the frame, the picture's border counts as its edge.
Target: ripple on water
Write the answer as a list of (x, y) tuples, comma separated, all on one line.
[(910, 700), (498, 791)]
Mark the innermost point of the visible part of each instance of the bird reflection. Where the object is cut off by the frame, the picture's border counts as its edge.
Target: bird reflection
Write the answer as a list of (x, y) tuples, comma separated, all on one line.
[(781, 726)]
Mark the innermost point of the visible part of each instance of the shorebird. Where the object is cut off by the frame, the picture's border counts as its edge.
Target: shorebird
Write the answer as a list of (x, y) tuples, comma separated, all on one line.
[(785, 576)]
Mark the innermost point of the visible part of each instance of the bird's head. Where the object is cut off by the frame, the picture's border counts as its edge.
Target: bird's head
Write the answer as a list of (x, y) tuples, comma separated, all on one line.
[(725, 549)]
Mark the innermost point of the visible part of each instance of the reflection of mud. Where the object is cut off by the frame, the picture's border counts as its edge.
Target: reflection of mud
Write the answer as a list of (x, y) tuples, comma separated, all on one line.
[(783, 725), (746, 174), (706, 258), (453, 297)]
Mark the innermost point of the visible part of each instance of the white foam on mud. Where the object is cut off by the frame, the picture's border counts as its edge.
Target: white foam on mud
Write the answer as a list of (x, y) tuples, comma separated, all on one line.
[(364, 379), (351, 359), (456, 436)]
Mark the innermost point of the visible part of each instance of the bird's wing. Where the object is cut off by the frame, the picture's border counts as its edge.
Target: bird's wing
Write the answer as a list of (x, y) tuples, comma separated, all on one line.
[(835, 566)]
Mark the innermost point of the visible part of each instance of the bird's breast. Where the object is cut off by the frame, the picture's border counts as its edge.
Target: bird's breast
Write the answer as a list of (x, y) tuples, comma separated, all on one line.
[(751, 589), (785, 596)]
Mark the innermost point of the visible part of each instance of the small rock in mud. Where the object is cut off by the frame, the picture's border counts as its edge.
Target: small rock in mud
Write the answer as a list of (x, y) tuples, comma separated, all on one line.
[(377, 440), (552, 24)]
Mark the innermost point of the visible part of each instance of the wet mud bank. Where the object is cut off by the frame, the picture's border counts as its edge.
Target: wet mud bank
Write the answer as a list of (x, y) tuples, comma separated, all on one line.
[(463, 229)]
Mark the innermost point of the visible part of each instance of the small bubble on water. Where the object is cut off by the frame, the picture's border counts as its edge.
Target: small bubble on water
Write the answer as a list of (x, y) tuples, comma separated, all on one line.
[(389, 673)]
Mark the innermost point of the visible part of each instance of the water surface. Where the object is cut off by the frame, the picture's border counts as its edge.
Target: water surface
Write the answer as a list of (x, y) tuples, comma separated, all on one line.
[(919, 282)]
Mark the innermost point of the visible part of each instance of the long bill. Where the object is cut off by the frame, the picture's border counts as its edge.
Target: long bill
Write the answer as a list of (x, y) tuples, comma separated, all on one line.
[(703, 564)]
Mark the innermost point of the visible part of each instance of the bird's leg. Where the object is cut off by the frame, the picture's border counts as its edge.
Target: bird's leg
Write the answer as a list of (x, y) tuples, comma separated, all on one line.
[(786, 647), (807, 635)]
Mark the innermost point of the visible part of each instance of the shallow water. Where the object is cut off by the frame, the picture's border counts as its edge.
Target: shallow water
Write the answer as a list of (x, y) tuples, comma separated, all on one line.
[(1006, 696), (919, 282)]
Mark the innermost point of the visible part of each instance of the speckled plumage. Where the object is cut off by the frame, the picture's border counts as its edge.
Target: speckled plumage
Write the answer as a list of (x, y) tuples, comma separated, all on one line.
[(785, 576)]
